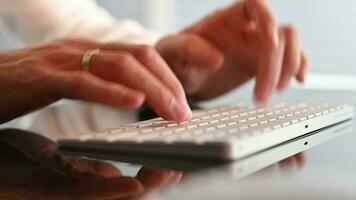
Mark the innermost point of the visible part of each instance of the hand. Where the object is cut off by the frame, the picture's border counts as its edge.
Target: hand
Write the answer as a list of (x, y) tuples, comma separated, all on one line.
[(232, 46), (121, 75), (31, 168)]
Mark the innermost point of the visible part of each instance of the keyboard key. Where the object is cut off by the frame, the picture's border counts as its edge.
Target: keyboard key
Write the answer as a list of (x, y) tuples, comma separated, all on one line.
[(146, 130), (221, 126), (119, 136), (232, 123), (171, 124), (295, 121), (180, 129), (203, 123), (277, 126), (286, 124), (210, 129), (220, 134), (86, 137), (168, 132), (198, 132), (243, 128), (303, 119), (192, 126)]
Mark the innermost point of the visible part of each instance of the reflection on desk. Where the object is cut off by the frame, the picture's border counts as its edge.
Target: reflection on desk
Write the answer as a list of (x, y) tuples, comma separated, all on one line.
[(245, 179)]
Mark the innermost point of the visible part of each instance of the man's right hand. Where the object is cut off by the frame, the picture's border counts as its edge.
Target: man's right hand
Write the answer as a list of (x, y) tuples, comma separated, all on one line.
[(121, 75)]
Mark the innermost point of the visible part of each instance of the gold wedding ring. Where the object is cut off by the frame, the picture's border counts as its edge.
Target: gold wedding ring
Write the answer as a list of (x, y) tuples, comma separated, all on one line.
[(87, 56)]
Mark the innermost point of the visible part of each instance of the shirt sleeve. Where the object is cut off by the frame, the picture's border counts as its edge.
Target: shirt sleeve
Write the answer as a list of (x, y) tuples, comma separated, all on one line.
[(39, 21)]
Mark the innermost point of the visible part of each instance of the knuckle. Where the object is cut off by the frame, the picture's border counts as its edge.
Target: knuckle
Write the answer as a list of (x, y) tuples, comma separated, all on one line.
[(122, 59), (145, 52)]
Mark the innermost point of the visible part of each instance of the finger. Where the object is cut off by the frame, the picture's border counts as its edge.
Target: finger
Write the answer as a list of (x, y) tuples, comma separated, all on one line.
[(87, 87), (101, 188), (301, 75), (124, 68), (199, 52), (261, 13), (94, 167), (292, 57), (150, 58), (268, 72), (156, 179), (190, 50)]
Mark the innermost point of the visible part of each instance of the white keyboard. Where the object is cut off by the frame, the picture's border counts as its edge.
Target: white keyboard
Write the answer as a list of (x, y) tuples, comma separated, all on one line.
[(227, 133)]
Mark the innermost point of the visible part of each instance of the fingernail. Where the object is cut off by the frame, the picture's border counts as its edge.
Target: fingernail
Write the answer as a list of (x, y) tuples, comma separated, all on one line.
[(181, 111)]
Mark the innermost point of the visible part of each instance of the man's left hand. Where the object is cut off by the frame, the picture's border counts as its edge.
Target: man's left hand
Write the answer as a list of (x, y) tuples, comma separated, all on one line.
[(230, 47)]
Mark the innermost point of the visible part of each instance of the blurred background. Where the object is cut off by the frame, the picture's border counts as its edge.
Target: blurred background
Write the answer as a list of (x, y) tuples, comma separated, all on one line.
[(326, 27)]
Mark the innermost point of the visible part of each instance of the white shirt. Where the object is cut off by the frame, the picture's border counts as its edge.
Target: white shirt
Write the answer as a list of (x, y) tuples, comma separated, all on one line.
[(39, 21)]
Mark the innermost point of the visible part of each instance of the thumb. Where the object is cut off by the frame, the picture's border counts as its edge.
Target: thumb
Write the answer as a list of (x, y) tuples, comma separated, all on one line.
[(190, 50)]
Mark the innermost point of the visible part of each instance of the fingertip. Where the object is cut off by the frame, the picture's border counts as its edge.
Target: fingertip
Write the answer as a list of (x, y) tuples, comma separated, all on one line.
[(178, 111), (259, 101), (181, 113), (301, 76), (132, 185), (261, 97), (138, 99), (188, 116), (282, 86), (217, 61), (133, 100), (188, 112), (127, 187)]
